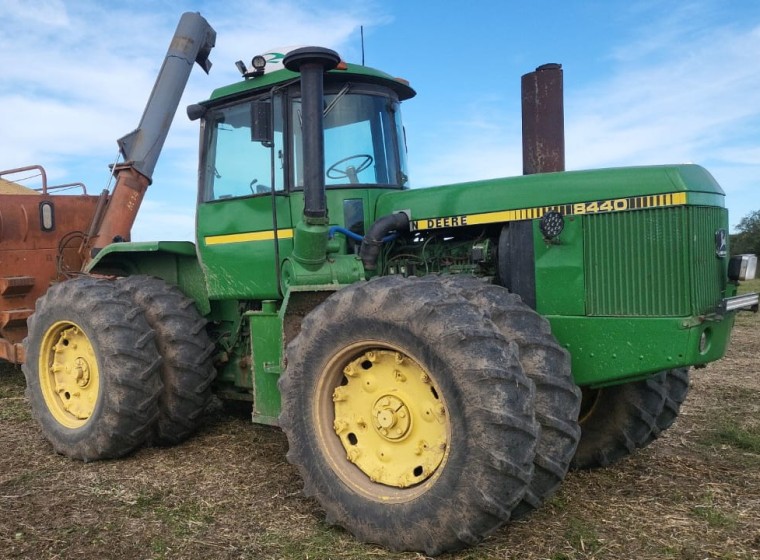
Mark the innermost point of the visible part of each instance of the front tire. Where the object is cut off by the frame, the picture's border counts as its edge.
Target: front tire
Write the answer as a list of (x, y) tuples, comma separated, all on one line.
[(408, 416), (674, 385), (91, 370)]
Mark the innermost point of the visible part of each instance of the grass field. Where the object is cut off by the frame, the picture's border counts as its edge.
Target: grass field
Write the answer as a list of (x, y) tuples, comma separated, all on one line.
[(229, 492)]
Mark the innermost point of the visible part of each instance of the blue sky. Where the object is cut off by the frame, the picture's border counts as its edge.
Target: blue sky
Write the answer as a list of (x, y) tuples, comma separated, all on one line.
[(646, 82)]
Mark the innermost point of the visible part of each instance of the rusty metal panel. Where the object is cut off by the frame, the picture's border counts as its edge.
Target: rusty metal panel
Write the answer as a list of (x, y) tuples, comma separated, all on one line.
[(121, 211), (11, 352), (543, 120), (32, 258), (15, 285)]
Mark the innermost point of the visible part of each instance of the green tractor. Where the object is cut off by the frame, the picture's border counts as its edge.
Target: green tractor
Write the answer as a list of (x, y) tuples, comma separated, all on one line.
[(438, 358)]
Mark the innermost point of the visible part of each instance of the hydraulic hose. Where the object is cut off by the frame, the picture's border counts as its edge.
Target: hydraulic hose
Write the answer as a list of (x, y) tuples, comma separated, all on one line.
[(355, 236), (347, 232), (376, 235)]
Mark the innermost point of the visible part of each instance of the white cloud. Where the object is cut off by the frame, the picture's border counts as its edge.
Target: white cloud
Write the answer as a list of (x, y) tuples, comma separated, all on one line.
[(34, 12), (166, 221), (697, 102), (76, 77), (682, 88), (478, 139)]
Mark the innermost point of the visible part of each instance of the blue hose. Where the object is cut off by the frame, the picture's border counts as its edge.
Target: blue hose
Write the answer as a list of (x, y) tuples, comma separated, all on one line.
[(355, 236), (347, 232)]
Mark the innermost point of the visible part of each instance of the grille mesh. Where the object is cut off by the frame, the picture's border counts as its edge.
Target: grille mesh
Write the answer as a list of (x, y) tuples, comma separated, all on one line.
[(656, 262)]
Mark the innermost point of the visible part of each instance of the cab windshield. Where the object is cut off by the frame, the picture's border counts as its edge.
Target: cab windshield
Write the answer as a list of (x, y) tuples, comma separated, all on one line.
[(364, 145), (364, 142)]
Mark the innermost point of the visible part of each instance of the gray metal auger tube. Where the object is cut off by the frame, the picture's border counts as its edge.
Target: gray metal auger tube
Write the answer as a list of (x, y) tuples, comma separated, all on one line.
[(192, 42)]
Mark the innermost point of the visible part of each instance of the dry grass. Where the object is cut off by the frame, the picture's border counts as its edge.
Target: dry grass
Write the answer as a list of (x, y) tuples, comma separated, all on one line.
[(229, 493)]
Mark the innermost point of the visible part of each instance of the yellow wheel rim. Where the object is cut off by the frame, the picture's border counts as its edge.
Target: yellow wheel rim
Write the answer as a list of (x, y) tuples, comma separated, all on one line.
[(383, 420), (69, 375)]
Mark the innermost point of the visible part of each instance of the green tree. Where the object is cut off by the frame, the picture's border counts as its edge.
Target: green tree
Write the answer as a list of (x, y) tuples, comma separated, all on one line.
[(748, 238)]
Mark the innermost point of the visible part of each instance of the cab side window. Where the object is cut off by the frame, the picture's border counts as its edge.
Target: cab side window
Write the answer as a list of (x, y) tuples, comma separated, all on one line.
[(236, 166)]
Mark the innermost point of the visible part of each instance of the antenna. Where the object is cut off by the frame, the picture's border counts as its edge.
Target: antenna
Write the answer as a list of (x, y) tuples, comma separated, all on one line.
[(361, 29)]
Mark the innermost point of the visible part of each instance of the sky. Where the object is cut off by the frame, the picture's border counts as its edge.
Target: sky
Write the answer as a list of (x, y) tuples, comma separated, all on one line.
[(645, 82)]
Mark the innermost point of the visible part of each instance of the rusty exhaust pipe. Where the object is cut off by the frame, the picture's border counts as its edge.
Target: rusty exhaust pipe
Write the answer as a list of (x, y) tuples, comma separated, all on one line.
[(543, 120)]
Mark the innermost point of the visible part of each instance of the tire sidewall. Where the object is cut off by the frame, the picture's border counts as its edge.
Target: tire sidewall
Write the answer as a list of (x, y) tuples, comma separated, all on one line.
[(53, 429), (477, 376), (446, 479), (127, 361)]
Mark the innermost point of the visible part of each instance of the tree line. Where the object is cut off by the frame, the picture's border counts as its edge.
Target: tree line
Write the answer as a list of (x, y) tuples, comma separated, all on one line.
[(747, 240)]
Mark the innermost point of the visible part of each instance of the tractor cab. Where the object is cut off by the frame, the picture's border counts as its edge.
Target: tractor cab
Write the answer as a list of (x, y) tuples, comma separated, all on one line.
[(253, 172), (243, 156), (253, 135)]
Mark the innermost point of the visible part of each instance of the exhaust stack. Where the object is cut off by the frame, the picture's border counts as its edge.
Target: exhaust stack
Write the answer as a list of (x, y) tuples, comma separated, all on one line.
[(543, 134), (308, 263), (312, 63), (543, 120)]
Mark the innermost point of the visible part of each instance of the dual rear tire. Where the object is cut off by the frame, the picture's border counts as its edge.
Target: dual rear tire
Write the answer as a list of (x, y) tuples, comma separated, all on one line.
[(111, 365), (186, 369)]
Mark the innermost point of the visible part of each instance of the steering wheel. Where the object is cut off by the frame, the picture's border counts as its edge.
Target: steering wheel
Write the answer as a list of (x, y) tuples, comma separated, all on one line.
[(351, 171)]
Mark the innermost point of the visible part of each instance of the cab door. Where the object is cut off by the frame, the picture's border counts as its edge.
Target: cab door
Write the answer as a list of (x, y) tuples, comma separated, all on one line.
[(244, 219)]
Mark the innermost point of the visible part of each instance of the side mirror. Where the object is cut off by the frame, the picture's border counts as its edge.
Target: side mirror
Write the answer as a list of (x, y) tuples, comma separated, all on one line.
[(195, 111), (261, 122)]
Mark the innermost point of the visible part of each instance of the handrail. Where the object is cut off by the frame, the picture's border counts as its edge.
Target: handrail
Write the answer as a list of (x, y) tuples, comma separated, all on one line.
[(69, 186), (39, 168), (43, 175)]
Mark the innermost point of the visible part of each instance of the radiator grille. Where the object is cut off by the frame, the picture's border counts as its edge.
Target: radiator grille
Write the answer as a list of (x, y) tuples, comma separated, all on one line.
[(656, 262), (709, 273)]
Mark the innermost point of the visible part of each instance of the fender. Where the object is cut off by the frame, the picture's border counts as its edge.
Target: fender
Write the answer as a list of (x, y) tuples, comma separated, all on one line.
[(173, 261)]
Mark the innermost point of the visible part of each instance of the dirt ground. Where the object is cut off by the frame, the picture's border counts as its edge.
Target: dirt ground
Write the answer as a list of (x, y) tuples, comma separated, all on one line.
[(229, 492)]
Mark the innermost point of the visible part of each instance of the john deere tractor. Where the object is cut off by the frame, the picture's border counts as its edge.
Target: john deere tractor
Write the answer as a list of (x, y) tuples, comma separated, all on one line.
[(438, 358)]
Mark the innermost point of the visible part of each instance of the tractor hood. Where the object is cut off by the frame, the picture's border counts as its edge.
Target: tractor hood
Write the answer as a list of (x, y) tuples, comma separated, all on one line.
[(572, 192)]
